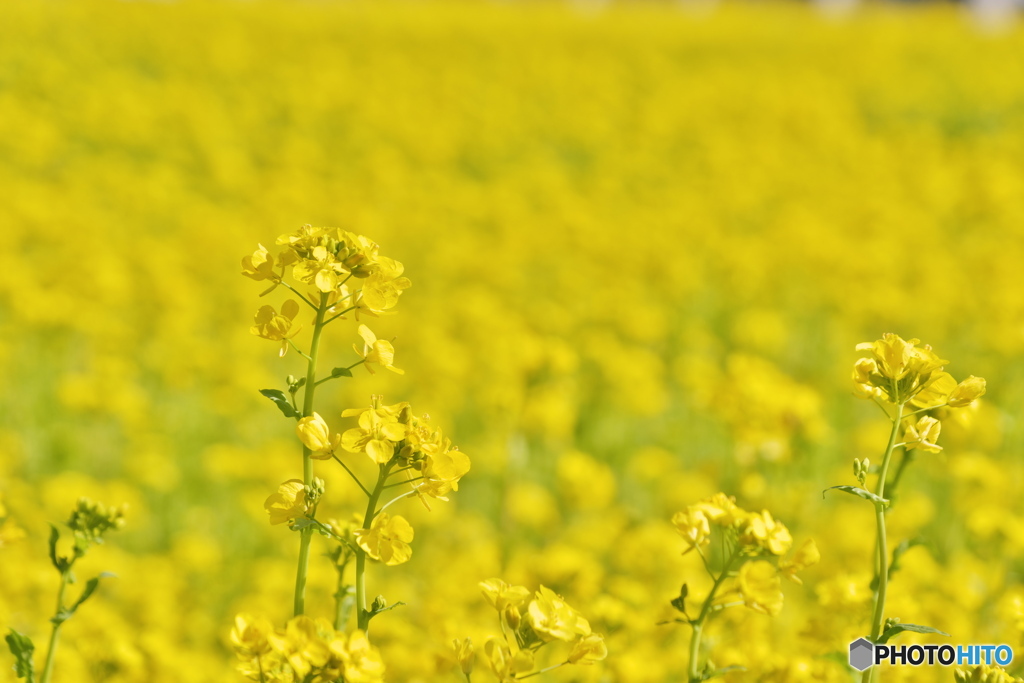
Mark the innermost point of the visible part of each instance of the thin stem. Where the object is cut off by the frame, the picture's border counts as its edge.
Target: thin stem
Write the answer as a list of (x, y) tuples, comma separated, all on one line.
[(335, 317), (405, 481), (881, 550), (542, 671), (395, 500), (306, 536), (301, 295), (352, 474), (298, 350), (362, 614), (908, 457), (698, 624), (55, 631), (259, 663), (924, 410)]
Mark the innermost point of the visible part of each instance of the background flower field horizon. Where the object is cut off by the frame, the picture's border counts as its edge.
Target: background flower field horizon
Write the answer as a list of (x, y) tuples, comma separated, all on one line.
[(643, 243)]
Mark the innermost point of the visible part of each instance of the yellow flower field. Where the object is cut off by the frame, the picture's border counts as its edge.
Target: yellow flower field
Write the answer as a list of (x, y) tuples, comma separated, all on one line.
[(643, 242)]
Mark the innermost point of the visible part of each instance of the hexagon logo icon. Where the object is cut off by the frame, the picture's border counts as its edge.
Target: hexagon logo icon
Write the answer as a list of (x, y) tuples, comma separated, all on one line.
[(862, 654)]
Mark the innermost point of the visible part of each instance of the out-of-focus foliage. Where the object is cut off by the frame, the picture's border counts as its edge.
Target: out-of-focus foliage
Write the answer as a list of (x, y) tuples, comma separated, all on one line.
[(643, 241)]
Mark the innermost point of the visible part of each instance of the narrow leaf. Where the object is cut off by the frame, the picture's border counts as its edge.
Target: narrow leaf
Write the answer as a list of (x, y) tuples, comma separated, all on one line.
[(914, 628), (280, 400), (22, 648), (54, 537), (859, 492), (721, 672), (341, 372)]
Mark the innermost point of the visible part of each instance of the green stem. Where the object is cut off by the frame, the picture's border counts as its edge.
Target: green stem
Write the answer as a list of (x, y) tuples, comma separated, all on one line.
[(306, 536), (693, 675), (55, 632), (362, 614), (881, 550), (542, 671)]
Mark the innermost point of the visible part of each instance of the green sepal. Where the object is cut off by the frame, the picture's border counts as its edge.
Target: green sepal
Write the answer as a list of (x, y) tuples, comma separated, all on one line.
[(22, 648), (281, 401), (913, 628), (860, 493)]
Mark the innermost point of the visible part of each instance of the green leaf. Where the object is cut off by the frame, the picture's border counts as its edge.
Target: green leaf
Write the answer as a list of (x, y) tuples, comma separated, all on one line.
[(860, 493), (914, 628), (60, 564), (708, 675), (679, 603), (281, 401), (341, 372), (22, 648)]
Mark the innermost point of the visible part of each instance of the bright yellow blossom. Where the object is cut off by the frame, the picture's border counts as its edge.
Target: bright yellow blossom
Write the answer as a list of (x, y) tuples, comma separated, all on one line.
[(316, 436), (505, 665), (967, 392), (588, 650), (377, 435), (387, 539), (762, 530), (288, 503), (803, 557), (692, 524), (760, 586), (553, 619), (277, 326), (376, 351), (924, 435), (502, 595)]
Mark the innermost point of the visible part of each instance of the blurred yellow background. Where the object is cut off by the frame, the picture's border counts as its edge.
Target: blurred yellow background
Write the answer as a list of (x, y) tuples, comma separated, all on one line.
[(643, 241)]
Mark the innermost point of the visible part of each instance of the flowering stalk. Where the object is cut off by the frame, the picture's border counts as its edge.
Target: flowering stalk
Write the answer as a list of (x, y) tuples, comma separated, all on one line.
[(901, 374), (758, 544), (882, 551), (306, 535), (363, 615), (693, 674), (55, 629)]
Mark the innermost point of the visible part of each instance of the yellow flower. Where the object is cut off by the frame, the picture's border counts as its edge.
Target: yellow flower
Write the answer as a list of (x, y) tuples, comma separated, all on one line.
[(249, 636), (901, 369), (381, 289), (288, 503), (805, 556), (720, 509), (760, 587), (924, 435), (316, 436), (967, 392), (302, 645), (502, 595), (321, 269), (553, 619), (361, 661), (464, 655), (378, 433), (588, 650), (693, 526), (376, 351), (259, 266), (387, 539), (441, 473), (277, 326), (504, 664), (762, 531)]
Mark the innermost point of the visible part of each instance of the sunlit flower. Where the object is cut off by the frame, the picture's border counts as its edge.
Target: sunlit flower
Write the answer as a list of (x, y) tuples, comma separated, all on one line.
[(387, 539)]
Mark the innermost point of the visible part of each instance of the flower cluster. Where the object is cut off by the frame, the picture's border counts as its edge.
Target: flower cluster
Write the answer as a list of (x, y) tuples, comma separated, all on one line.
[(754, 545), (529, 625), (90, 521), (984, 674), (305, 651), (900, 371)]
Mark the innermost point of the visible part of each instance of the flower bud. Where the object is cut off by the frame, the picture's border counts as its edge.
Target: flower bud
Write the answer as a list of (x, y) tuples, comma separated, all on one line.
[(966, 392)]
